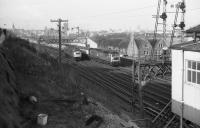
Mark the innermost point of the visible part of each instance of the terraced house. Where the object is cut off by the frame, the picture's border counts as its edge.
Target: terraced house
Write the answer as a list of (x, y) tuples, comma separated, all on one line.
[(139, 46)]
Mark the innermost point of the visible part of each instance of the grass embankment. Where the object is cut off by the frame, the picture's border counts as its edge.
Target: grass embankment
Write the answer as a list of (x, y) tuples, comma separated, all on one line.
[(25, 73)]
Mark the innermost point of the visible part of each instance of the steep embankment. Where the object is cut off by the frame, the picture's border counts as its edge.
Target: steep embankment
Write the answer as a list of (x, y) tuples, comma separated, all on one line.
[(24, 73), (9, 100)]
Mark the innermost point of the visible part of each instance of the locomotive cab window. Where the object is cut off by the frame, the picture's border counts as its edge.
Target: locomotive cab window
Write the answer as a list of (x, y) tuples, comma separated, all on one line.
[(193, 72)]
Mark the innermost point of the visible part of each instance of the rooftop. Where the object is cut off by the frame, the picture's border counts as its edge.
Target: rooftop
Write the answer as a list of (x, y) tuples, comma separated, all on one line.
[(194, 29), (140, 41), (188, 46)]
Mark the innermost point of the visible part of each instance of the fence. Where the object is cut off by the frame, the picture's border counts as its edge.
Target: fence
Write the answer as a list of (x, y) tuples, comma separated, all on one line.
[(127, 61)]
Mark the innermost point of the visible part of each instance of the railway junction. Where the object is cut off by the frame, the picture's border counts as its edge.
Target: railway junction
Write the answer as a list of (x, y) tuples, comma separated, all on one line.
[(155, 76), (130, 80), (142, 83)]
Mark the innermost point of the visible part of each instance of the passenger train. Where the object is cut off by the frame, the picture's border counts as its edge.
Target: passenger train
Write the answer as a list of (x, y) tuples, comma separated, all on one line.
[(74, 52), (110, 56)]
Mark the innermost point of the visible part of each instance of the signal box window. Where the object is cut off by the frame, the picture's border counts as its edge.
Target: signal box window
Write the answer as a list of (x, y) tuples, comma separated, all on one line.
[(193, 72)]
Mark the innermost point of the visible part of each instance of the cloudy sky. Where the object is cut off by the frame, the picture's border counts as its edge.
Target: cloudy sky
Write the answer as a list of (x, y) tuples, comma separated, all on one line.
[(90, 14)]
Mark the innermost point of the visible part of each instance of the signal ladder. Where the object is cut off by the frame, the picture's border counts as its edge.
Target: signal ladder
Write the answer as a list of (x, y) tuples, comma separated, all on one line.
[(180, 6), (167, 119)]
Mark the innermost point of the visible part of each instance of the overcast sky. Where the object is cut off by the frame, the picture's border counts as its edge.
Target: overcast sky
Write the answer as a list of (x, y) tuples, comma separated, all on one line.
[(90, 14)]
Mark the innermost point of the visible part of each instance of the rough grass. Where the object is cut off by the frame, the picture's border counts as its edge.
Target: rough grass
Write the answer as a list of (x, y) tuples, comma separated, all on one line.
[(24, 73)]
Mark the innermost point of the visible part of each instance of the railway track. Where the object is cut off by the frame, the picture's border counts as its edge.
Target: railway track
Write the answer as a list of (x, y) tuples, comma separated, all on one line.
[(158, 98), (119, 83), (123, 87)]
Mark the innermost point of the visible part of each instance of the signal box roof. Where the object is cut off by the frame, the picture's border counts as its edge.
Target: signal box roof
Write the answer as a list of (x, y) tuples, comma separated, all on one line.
[(187, 46), (194, 29)]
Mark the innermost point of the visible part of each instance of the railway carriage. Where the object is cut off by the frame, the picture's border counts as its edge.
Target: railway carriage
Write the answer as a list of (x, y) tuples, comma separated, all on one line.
[(71, 51), (107, 56), (85, 53), (74, 52)]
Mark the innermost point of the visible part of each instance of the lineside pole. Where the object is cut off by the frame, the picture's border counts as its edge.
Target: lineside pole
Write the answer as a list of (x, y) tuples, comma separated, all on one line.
[(156, 26), (133, 85), (140, 87), (182, 6), (133, 77), (59, 21)]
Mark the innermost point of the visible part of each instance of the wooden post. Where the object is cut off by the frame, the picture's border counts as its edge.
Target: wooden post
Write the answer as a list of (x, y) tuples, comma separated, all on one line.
[(133, 77), (140, 87), (59, 31), (133, 85)]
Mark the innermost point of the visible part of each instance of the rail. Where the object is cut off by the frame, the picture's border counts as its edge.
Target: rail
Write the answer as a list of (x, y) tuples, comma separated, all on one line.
[(118, 85)]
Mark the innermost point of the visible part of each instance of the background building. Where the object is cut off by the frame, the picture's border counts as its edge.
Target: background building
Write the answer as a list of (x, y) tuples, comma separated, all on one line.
[(139, 45)]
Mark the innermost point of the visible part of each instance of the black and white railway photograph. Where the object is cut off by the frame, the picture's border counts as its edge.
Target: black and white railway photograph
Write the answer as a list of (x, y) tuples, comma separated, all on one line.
[(99, 63)]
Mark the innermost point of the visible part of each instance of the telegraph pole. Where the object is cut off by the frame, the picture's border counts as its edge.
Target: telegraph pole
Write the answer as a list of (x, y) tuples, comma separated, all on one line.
[(140, 86), (59, 21), (133, 76), (78, 28)]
